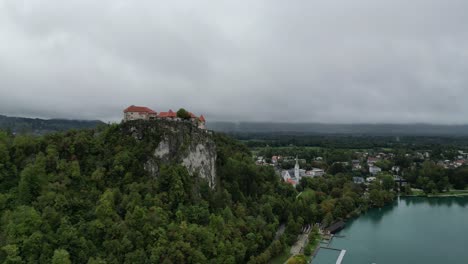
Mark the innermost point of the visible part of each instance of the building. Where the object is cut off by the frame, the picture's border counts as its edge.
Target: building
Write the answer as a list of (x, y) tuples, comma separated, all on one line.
[(292, 182), (201, 122), (293, 176), (260, 160), (285, 175), (371, 179), (335, 227), (358, 180), (170, 115), (371, 161), (399, 180), (316, 172), (356, 165), (144, 113), (134, 112), (374, 170), (274, 159), (459, 163), (297, 173)]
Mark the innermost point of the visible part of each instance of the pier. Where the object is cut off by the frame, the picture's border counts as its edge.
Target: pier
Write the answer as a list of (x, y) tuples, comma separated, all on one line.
[(325, 244), (341, 256)]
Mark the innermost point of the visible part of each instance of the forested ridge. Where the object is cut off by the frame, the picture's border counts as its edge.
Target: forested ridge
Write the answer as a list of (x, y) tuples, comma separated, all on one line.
[(42, 126), (83, 196)]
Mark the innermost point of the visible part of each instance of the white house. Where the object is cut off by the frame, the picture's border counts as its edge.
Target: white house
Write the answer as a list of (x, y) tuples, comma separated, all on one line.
[(373, 170), (358, 180), (370, 179), (316, 172)]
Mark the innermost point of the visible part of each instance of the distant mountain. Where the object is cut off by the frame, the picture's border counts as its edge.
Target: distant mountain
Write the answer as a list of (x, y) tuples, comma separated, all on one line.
[(42, 126), (350, 129)]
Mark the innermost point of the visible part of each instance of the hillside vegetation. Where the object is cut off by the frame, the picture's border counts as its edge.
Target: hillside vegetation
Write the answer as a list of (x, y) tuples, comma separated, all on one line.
[(85, 197)]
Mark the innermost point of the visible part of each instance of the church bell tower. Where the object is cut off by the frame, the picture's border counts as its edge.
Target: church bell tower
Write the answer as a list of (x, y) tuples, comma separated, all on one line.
[(296, 169)]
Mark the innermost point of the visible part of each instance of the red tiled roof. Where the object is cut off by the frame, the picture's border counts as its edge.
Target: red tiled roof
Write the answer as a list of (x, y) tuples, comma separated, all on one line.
[(202, 118), (139, 109), (167, 114), (192, 115), (291, 181)]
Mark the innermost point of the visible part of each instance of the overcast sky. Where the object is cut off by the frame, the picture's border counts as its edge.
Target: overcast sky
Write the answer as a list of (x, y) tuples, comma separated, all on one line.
[(328, 61)]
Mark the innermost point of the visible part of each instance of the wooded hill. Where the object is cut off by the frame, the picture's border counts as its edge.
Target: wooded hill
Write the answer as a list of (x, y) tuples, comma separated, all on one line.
[(85, 196)]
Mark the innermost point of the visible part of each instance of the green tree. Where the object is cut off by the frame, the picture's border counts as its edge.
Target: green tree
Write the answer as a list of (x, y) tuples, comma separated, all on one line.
[(387, 182), (183, 114), (12, 254), (298, 259), (61, 256), (31, 180)]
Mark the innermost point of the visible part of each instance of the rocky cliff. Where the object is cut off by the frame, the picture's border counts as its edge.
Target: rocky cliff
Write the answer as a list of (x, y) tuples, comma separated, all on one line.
[(177, 142)]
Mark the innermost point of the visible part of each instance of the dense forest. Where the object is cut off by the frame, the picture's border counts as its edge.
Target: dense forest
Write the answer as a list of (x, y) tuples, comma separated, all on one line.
[(83, 196), (349, 141)]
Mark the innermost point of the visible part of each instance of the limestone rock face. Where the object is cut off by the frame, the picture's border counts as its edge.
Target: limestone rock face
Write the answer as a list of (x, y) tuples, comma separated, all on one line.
[(179, 143)]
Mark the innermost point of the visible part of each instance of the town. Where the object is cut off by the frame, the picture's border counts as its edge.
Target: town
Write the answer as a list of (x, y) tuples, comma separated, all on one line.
[(365, 167)]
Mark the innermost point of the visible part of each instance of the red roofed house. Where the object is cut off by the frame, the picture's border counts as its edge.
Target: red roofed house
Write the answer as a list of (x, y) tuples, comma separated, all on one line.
[(134, 112)]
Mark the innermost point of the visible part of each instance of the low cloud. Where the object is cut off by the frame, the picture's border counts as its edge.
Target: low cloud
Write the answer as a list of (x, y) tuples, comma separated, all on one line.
[(304, 61)]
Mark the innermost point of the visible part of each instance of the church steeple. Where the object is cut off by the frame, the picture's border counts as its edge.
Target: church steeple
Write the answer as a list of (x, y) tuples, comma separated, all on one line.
[(296, 169)]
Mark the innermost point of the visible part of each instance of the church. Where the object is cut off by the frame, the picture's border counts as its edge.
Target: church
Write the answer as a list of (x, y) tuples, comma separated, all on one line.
[(295, 175)]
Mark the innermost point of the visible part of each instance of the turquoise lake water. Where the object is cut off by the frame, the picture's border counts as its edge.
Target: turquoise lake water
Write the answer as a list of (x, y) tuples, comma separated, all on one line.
[(411, 230)]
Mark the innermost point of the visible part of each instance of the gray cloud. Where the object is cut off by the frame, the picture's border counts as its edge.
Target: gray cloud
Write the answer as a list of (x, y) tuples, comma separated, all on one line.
[(302, 61)]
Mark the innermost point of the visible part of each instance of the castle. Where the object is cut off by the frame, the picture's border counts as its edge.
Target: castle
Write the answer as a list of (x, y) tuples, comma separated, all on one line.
[(134, 112)]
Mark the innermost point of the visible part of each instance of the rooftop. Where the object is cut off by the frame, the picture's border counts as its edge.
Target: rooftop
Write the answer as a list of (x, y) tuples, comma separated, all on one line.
[(139, 109)]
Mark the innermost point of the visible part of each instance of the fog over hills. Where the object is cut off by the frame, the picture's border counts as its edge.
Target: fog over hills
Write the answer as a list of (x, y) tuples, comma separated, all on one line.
[(42, 126), (321, 128)]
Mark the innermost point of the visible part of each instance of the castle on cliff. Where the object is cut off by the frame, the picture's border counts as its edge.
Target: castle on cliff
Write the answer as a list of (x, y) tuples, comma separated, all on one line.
[(134, 112)]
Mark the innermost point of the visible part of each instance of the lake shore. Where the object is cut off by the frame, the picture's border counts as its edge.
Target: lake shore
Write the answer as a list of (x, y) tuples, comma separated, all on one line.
[(452, 193)]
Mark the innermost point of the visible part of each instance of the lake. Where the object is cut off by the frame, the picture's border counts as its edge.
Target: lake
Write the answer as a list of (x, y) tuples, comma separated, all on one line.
[(411, 230)]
